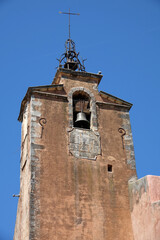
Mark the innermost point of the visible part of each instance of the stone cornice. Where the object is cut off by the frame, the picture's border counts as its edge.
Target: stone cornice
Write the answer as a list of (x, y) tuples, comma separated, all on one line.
[(76, 75), (41, 90)]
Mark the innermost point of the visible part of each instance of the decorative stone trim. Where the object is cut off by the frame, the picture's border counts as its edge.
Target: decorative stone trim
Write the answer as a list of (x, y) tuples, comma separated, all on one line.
[(128, 140), (84, 144)]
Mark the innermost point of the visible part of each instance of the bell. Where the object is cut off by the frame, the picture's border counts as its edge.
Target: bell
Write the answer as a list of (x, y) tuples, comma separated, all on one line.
[(81, 120)]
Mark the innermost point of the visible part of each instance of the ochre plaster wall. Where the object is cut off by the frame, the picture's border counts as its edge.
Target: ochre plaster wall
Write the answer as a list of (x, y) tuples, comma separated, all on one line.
[(72, 198), (79, 198), (145, 208)]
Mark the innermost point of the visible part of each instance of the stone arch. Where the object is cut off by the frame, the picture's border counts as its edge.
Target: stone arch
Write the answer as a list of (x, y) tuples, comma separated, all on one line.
[(93, 120)]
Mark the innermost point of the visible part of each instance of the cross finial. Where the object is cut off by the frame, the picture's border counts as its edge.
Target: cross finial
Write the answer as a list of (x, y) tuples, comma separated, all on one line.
[(69, 13), (70, 59)]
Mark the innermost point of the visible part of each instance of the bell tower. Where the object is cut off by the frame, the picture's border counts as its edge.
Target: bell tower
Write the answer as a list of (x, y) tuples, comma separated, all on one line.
[(77, 157)]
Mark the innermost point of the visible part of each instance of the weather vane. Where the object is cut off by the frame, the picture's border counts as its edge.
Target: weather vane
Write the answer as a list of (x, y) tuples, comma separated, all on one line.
[(69, 13), (70, 59)]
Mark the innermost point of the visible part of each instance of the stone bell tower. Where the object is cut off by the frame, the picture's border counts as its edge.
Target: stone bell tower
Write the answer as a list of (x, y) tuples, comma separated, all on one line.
[(77, 157)]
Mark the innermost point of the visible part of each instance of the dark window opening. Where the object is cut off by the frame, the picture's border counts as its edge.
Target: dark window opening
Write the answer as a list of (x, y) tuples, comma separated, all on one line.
[(109, 168), (81, 111)]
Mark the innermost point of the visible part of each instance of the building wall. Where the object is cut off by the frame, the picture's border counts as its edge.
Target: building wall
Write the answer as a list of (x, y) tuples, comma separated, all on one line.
[(76, 198), (145, 208), (23, 211)]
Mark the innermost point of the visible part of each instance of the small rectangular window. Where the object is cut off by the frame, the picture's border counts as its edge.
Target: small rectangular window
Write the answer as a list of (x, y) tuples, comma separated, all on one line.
[(109, 168)]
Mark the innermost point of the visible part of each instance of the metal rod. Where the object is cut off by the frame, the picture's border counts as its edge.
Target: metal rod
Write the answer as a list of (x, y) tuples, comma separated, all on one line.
[(69, 13), (69, 28), (16, 195)]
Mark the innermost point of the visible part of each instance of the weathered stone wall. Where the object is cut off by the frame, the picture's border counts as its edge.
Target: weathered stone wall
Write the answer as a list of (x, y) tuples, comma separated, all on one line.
[(52, 197), (145, 208), (78, 198), (84, 144), (22, 220), (71, 197), (115, 192)]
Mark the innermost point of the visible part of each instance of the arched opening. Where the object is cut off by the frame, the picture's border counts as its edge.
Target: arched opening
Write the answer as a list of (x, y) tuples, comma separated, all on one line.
[(81, 110)]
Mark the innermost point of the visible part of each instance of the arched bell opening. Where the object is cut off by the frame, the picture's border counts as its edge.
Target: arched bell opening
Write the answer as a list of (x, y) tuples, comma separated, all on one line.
[(81, 110)]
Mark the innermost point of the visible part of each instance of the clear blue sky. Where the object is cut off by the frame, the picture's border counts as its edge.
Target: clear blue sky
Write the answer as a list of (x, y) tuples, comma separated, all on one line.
[(119, 38)]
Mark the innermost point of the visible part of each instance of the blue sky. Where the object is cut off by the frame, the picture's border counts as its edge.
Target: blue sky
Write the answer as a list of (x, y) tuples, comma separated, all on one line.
[(119, 38)]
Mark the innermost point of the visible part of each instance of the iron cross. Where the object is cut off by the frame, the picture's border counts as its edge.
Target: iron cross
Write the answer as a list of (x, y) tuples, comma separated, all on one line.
[(69, 13)]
